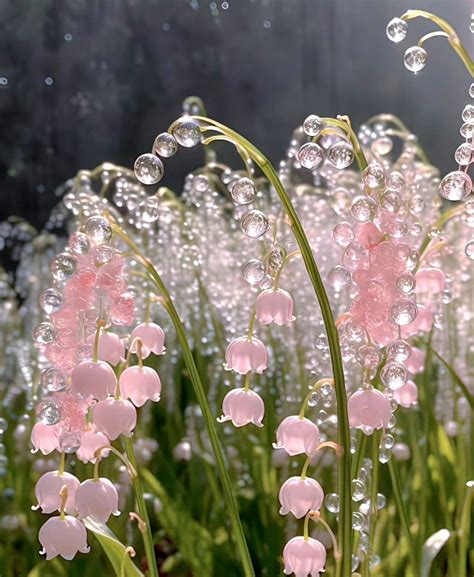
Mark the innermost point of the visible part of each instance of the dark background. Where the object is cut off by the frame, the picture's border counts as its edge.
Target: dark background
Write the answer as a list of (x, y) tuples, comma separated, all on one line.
[(83, 81)]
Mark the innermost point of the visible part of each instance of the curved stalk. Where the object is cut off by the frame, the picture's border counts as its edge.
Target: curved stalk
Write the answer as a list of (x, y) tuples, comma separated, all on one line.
[(452, 36), (203, 403), (344, 464)]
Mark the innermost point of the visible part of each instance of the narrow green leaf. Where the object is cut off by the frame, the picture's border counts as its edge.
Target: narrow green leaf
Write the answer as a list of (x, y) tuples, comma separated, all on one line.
[(431, 548), (113, 548)]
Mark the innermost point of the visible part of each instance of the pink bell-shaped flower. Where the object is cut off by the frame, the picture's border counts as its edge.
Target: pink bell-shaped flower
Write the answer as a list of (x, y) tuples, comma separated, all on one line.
[(45, 438), (47, 491), (274, 306), (90, 379), (369, 409), (304, 557), (63, 536), (430, 280), (300, 496), (140, 384), (297, 436), (416, 361), (244, 355), (115, 417), (111, 348), (97, 498), (242, 406), (152, 337), (406, 395), (91, 441)]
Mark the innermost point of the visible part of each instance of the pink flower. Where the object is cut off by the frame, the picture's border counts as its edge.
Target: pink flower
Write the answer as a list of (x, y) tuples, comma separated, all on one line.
[(416, 361), (140, 384), (300, 496), (90, 379), (44, 438), (64, 537), (115, 417), (422, 323), (304, 557), (369, 409), (122, 309), (111, 347), (90, 442), (47, 491), (152, 337), (368, 235), (407, 395), (97, 498), (244, 355), (242, 406), (297, 436), (274, 306), (430, 280)]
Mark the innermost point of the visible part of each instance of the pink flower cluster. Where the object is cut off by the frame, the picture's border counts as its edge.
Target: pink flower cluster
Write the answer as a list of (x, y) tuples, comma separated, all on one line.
[(92, 392)]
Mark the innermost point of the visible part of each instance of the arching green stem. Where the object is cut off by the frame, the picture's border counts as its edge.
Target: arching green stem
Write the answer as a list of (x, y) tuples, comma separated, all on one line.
[(344, 464)]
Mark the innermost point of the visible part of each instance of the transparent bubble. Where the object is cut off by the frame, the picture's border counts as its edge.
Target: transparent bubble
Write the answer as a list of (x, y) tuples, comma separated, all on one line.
[(69, 442), (79, 243), (200, 183), (415, 59), (417, 203), (463, 154), (355, 256), (149, 209), (331, 501), (396, 180), (343, 234), (359, 489), (313, 399), (405, 282), (102, 254), (341, 154), (44, 333), (469, 249), (276, 258), (254, 223), (49, 413), (98, 230), (253, 271), (391, 200), (148, 168), (373, 176), (312, 125), (387, 441), (394, 375), (399, 351), (468, 113), (355, 562), (50, 301), (187, 132), (382, 146), (368, 356), (165, 145), (363, 208), (396, 30), (467, 130), (321, 343), (339, 277), (358, 521), (63, 266), (403, 312), (53, 380), (243, 191), (310, 155), (471, 90), (266, 283), (384, 455)]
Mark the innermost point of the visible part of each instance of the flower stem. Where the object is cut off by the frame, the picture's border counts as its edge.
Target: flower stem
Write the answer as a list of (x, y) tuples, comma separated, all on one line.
[(203, 403), (344, 439), (141, 505)]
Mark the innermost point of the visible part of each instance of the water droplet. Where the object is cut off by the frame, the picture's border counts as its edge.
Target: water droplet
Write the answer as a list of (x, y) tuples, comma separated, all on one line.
[(44, 333), (467, 130), (469, 249), (399, 351), (276, 257), (468, 113), (368, 357), (313, 399), (69, 442), (403, 312), (79, 243), (243, 191), (63, 266), (53, 380), (391, 200), (253, 271), (463, 154), (394, 375), (187, 132), (312, 125), (363, 208), (165, 145), (415, 59), (310, 155), (382, 146), (359, 489), (358, 521), (405, 282), (396, 30), (331, 501), (50, 300), (339, 277), (102, 254), (254, 224), (341, 154), (148, 168), (98, 230), (49, 413), (373, 176), (343, 234)]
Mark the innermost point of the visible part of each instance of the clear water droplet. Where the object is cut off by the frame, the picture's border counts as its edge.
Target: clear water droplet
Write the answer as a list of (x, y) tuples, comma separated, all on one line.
[(44, 333), (50, 301), (243, 191), (312, 125), (148, 168), (396, 30), (394, 375), (403, 312), (187, 132), (339, 277), (165, 145), (310, 155), (415, 59), (331, 501), (63, 266), (98, 230), (49, 413), (255, 223), (253, 271)]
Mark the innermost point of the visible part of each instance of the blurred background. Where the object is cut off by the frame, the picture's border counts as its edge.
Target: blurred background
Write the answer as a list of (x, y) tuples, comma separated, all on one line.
[(82, 82)]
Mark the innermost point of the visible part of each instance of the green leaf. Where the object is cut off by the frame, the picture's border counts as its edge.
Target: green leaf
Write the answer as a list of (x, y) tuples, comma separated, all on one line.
[(52, 568), (193, 541), (431, 548), (113, 548)]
